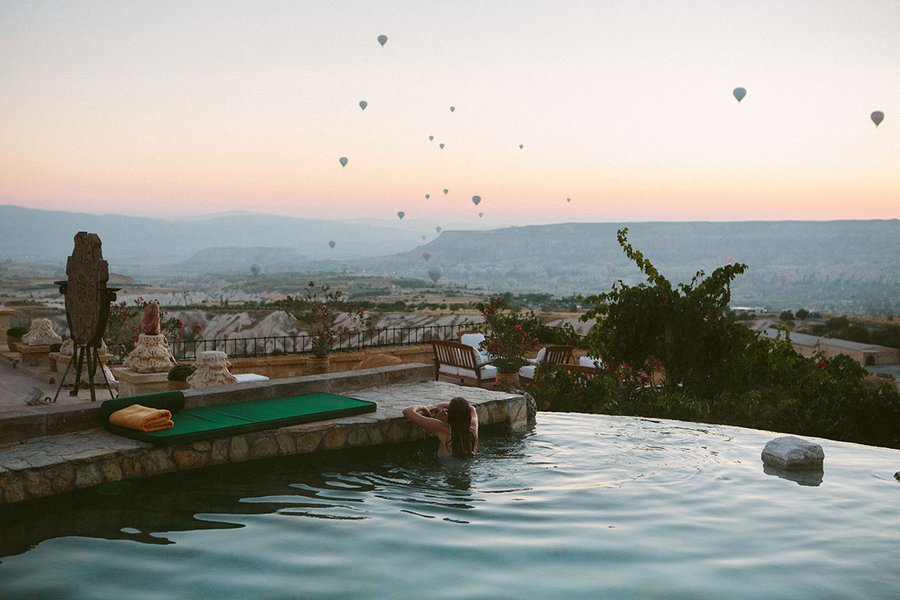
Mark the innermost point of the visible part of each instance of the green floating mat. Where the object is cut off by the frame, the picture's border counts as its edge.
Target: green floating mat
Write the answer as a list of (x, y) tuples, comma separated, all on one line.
[(228, 419)]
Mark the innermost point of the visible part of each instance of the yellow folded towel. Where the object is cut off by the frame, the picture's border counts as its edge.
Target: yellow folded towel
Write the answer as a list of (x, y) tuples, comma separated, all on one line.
[(142, 418)]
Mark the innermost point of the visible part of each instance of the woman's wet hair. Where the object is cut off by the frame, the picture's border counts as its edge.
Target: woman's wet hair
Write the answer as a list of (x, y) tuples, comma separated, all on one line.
[(462, 440)]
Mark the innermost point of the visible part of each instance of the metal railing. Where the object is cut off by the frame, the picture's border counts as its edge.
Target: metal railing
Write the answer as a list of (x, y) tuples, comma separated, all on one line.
[(244, 347)]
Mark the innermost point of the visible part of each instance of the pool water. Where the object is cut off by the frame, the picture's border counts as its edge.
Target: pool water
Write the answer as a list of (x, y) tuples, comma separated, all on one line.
[(580, 507)]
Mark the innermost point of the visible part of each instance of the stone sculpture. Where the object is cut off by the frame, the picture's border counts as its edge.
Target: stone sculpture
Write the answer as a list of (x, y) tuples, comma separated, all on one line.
[(41, 334), (150, 319), (151, 354), (211, 369), (87, 300)]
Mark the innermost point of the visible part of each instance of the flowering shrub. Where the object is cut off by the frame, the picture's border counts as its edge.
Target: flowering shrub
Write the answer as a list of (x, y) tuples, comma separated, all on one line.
[(123, 328), (320, 311), (508, 335)]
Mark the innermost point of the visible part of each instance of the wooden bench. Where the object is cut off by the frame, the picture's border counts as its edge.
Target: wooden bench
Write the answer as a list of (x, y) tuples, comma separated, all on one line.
[(459, 362)]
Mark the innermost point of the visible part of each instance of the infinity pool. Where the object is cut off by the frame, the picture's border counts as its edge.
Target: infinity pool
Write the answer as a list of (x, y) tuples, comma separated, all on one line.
[(580, 507)]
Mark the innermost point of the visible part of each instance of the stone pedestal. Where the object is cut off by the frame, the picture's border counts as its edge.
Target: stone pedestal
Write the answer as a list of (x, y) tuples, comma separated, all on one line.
[(59, 362), (5, 314), (211, 370), (33, 356), (132, 383), (150, 355)]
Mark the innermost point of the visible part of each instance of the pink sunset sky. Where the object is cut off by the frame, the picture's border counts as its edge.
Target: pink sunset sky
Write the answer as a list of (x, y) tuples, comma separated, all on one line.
[(184, 108)]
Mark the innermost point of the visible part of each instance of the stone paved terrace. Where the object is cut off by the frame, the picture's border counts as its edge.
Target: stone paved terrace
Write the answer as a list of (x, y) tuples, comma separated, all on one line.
[(46, 450)]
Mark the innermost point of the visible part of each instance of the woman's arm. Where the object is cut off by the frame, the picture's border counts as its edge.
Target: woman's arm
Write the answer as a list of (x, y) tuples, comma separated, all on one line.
[(433, 425)]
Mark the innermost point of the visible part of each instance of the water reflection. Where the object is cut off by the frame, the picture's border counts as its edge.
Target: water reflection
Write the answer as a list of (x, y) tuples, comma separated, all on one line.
[(337, 485), (809, 478)]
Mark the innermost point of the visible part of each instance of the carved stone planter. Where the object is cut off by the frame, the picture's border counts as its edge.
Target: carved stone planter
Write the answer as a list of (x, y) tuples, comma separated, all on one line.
[(507, 381), (318, 365)]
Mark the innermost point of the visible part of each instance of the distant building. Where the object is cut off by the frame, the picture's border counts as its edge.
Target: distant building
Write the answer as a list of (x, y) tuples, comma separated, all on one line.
[(865, 354), (749, 310)]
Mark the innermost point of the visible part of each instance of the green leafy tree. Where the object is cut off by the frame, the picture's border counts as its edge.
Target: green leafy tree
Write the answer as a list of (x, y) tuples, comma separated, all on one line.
[(677, 335)]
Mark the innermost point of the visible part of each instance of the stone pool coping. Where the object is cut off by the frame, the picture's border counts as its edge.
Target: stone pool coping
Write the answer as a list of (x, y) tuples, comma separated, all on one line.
[(86, 455)]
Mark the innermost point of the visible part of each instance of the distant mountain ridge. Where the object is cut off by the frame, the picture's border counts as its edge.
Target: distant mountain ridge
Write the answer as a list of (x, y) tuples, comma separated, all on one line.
[(851, 266), (45, 237)]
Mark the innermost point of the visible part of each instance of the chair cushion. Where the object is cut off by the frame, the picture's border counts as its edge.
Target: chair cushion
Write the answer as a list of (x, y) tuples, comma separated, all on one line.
[(527, 371), (487, 371), (474, 340), (590, 361)]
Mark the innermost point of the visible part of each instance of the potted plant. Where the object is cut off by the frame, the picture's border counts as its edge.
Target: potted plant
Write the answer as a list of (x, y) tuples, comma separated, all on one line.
[(325, 316), (14, 335), (178, 376), (508, 337)]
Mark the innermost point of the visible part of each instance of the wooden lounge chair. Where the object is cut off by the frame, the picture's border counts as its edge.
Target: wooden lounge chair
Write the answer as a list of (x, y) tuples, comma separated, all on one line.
[(460, 362), (547, 356)]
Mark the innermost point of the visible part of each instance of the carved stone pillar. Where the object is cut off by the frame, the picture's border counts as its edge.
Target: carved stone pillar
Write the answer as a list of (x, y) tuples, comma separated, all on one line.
[(211, 370), (150, 355), (41, 334)]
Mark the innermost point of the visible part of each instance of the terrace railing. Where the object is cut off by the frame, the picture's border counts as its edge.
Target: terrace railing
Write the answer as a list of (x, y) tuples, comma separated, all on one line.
[(243, 347)]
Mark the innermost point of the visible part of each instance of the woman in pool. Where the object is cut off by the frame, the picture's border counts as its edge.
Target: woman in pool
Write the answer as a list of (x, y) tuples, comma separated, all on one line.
[(457, 432)]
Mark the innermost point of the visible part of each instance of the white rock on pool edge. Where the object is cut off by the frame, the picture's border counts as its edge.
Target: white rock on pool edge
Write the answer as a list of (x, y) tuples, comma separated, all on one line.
[(793, 454)]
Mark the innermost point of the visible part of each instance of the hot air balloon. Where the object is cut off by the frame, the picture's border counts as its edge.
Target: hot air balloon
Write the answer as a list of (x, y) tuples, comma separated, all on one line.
[(476, 200), (430, 138), (480, 215), (401, 214), (438, 229), (428, 196), (331, 244), (382, 39), (739, 93), (877, 117), (452, 108), (441, 145), (363, 104), (445, 191), (435, 273), (521, 146), (568, 199), (426, 255), (343, 161)]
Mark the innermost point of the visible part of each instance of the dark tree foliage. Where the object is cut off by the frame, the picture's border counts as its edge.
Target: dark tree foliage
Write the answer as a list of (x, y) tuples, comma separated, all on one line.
[(683, 335), (676, 353)]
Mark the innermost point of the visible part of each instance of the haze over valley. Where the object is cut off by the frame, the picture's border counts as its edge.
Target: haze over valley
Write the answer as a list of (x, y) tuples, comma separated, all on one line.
[(836, 266)]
